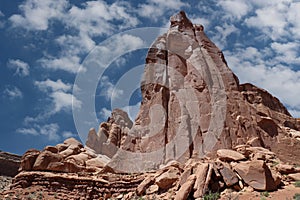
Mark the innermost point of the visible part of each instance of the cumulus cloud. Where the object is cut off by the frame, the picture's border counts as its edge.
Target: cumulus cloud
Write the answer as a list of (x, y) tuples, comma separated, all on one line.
[(97, 17), (68, 63), (49, 130), (235, 9), (53, 85), (21, 67), (252, 65), (36, 15), (59, 92), (223, 32), (108, 89), (287, 53), (12, 92), (64, 101), (154, 9), (68, 134)]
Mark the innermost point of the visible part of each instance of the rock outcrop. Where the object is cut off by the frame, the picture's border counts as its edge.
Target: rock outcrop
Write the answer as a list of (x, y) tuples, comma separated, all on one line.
[(9, 164), (193, 105)]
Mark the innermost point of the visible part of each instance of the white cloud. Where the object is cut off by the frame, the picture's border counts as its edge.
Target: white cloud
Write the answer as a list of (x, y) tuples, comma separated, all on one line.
[(271, 17), (104, 113), (293, 16), (64, 101), (48, 130), (21, 67), (287, 52), (154, 9), (97, 17), (252, 65), (73, 45), (37, 14), (53, 85), (68, 63), (108, 89), (59, 92), (223, 32), (12, 92), (235, 8), (68, 134)]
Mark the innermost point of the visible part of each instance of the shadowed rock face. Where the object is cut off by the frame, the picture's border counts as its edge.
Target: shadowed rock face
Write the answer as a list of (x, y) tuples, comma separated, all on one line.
[(9, 164)]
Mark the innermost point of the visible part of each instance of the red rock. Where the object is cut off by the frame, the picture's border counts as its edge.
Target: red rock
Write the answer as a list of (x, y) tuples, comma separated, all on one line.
[(73, 141), (229, 176), (201, 174), (144, 185), (168, 178), (229, 155), (295, 177), (28, 160), (287, 169), (186, 188), (44, 158), (100, 161), (256, 174)]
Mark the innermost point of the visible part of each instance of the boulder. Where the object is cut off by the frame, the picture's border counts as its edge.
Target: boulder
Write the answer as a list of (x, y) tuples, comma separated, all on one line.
[(186, 188), (168, 178), (201, 174), (287, 169), (256, 174), (229, 155), (295, 177), (44, 158), (144, 185), (100, 161), (28, 159), (74, 142), (229, 177)]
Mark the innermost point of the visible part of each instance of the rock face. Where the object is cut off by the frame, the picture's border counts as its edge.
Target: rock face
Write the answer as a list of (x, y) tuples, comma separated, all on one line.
[(110, 134), (9, 164), (193, 104)]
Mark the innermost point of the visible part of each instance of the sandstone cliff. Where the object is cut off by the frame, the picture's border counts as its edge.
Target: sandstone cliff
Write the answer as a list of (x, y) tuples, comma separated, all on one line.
[(193, 104)]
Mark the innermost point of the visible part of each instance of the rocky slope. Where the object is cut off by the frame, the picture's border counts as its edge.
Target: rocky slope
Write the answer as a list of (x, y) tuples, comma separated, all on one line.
[(198, 131)]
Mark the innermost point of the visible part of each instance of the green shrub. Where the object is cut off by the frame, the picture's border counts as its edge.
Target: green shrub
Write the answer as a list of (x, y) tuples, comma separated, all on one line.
[(211, 196), (297, 184), (265, 194), (296, 196)]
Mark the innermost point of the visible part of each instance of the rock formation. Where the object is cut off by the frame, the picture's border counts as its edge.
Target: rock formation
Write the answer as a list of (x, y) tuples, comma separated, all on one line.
[(9, 164), (198, 131), (192, 105)]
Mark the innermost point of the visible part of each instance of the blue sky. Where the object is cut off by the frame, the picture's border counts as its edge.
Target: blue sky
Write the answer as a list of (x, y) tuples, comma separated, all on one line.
[(45, 42)]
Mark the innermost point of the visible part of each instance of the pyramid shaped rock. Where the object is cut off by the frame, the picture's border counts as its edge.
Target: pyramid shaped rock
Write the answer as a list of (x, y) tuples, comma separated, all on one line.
[(193, 105)]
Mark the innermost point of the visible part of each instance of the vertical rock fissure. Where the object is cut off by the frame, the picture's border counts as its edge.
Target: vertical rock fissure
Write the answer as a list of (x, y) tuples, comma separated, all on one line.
[(166, 106)]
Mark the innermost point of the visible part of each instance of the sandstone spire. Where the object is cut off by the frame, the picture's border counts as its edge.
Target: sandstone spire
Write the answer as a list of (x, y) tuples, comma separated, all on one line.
[(192, 104)]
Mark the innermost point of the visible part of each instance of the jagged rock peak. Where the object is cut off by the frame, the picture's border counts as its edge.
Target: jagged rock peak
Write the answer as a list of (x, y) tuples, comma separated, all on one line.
[(181, 21)]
